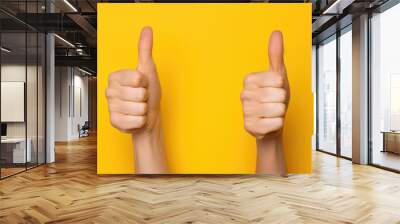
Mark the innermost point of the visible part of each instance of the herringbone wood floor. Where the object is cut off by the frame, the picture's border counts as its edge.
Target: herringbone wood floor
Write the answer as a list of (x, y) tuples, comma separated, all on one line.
[(69, 191)]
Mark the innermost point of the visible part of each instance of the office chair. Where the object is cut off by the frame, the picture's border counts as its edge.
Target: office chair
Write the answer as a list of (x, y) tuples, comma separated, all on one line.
[(84, 130)]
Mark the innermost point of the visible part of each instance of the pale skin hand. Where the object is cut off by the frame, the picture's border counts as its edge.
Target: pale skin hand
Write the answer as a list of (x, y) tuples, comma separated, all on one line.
[(134, 105), (265, 98)]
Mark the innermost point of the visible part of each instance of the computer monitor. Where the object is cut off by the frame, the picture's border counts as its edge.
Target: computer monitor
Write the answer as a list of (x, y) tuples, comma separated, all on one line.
[(3, 129)]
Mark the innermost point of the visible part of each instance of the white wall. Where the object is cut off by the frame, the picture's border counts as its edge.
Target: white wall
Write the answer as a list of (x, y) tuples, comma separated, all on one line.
[(62, 81), (80, 84), (33, 127), (71, 94), (16, 72)]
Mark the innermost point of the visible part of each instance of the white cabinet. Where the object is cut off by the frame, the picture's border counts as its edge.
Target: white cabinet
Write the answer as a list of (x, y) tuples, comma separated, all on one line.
[(19, 155)]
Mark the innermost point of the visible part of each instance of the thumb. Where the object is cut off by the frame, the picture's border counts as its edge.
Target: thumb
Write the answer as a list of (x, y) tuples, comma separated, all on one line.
[(145, 47), (275, 52)]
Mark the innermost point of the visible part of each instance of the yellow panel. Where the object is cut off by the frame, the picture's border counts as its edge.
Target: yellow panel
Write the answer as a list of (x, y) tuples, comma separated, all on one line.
[(203, 52)]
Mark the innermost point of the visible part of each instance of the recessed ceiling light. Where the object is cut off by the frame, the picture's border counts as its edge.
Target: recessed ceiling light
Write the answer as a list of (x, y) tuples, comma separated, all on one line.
[(70, 5), (337, 7), (64, 40), (5, 50), (84, 71)]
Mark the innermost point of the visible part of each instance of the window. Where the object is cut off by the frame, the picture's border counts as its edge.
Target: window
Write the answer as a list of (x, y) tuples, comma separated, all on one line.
[(385, 89), (394, 102), (346, 93), (327, 96)]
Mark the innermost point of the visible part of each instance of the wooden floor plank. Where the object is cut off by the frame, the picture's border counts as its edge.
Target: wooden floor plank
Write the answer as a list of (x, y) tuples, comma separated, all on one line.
[(70, 191)]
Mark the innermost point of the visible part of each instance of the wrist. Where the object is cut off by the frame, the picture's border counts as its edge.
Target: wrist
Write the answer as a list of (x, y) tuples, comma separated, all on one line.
[(152, 129), (270, 155), (270, 141), (148, 134), (149, 151)]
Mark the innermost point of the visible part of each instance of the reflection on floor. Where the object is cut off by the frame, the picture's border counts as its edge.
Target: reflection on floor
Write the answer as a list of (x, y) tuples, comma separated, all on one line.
[(70, 191), (10, 171), (387, 159), (14, 169)]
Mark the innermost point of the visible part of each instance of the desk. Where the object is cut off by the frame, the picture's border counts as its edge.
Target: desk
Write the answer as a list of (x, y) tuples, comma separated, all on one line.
[(15, 148), (391, 141)]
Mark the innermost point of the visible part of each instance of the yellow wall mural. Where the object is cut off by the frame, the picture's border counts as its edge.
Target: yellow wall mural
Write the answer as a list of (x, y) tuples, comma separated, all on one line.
[(203, 52)]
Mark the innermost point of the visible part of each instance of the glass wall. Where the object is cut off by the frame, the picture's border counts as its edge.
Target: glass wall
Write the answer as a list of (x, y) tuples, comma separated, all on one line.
[(334, 91), (327, 95), (22, 88), (13, 88), (385, 89), (41, 97), (314, 90), (31, 101), (346, 92)]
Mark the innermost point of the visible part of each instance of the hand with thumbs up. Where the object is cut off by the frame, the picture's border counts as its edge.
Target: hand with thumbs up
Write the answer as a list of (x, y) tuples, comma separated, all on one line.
[(265, 99), (134, 105)]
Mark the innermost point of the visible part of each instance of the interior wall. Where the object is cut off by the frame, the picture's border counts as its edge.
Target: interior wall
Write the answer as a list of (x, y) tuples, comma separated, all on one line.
[(71, 102), (92, 87), (62, 80), (81, 83), (16, 72)]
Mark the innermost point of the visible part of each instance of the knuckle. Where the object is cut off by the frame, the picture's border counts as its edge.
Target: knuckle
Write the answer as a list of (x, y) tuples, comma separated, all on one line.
[(247, 110), (279, 80), (279, 122), (142, 94), (108, 93), (283, 108), (143, 108), (111, 77), (284, 94), (115, 121), (141, 121), (243, 95), (248, 126), (248, 79), (137, 78), (111, 106)]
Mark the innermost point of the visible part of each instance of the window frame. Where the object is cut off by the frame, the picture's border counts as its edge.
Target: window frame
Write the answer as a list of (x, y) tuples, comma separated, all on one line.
[(334, 37), (27, 29), (381, 9)]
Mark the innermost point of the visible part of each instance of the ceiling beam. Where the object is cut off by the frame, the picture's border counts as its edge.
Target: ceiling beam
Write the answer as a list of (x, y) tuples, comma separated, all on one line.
[(337, 7), (85, 25), (78, 61)]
